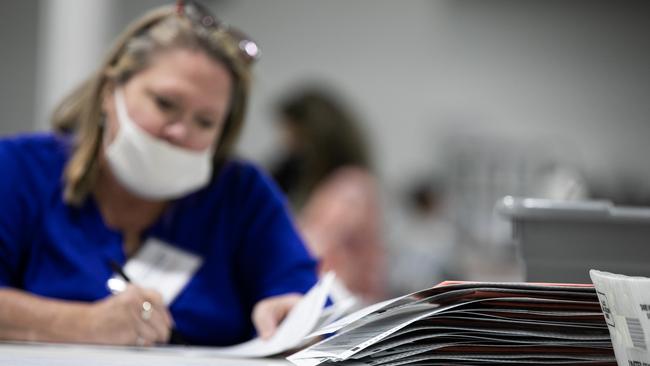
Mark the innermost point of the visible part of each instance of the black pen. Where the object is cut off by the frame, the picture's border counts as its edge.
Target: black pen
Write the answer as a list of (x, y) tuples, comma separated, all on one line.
[(174, 336), (118, 269)]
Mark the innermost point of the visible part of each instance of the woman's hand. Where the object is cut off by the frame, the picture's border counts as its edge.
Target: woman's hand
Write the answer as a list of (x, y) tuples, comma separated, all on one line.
[(268, 313), (136, 316)]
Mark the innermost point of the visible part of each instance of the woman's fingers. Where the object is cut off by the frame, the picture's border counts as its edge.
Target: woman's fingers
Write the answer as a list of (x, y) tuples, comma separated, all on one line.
[(151, 316), (268, 313), (159, 304), (264, 322)]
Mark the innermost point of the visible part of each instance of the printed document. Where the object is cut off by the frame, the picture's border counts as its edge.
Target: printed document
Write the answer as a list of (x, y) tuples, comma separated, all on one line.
[(626, 304)]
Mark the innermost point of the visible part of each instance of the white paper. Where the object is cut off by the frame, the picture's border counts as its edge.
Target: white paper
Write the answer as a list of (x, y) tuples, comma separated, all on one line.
[(299, 322), (349, 319), (343, 345), (162, 267), (333, 313), (626, 304)]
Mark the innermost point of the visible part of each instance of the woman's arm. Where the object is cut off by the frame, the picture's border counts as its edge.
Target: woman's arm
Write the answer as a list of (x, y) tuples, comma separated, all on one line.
[(28, 317), (115, 320)]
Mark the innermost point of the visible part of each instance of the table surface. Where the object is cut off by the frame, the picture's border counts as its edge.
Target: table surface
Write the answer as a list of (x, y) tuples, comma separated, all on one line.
[(30, 354)]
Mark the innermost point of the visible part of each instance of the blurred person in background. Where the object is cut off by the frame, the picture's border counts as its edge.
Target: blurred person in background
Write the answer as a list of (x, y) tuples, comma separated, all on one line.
[(423, 240), (326, 173), (141, 154)]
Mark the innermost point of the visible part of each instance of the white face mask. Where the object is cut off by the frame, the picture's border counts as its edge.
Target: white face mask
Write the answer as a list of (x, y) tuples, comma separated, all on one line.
[(152, 168)]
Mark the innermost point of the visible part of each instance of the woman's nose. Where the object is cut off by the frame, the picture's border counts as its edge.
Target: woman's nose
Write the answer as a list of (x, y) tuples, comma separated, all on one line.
[(177, 133)]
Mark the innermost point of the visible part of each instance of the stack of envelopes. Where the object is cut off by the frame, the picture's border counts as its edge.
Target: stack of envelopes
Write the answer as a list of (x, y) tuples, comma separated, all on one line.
[(469, 323)]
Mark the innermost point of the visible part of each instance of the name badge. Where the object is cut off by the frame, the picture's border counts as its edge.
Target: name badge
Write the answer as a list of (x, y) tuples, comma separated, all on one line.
[(162, 267)]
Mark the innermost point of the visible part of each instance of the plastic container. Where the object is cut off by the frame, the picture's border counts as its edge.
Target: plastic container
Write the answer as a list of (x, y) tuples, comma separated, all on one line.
[(560, 241)]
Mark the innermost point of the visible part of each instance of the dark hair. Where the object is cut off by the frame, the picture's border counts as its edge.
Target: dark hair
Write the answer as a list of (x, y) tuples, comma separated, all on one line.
[(330, 138)]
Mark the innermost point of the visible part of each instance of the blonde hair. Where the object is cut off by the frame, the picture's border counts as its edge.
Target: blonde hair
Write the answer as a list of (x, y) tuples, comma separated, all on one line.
[(80, 113)]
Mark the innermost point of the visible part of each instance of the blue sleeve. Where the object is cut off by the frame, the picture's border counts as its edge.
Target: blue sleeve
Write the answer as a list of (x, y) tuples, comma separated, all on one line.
[(273, 259), (14, 213)]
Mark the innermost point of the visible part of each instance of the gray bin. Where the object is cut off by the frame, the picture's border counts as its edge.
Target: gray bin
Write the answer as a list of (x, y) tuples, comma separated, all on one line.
[(560, 241)]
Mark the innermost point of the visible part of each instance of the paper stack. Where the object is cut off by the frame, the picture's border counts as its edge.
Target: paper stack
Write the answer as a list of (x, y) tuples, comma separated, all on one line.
[(462, 323)]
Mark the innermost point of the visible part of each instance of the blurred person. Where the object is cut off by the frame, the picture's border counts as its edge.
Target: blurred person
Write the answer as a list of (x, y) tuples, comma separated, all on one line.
[(142, 151), (326, 174), (424, 237)]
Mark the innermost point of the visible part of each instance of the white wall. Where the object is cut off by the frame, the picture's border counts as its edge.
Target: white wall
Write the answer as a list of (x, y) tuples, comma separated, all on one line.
[(72, 38), (18, 36), (573, 75), (381, 55), (570, 74)]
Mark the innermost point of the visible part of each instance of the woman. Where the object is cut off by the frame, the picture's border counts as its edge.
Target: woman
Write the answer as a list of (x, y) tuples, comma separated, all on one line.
[(141, 152), (327, 176)]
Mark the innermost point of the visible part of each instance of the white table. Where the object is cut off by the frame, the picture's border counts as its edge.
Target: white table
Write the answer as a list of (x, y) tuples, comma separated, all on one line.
[(30, 354)]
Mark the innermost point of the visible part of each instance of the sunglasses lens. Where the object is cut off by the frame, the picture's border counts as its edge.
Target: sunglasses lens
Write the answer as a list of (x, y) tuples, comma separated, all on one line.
[(208, 21), (201, 15), (250, 48)]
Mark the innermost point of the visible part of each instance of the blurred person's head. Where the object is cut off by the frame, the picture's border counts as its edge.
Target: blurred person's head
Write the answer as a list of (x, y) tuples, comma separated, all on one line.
[(425, 196), (320, 135), (176, 79)]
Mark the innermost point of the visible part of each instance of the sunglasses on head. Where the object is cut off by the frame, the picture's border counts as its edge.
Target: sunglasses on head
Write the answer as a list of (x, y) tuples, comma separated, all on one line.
[(201, 15)]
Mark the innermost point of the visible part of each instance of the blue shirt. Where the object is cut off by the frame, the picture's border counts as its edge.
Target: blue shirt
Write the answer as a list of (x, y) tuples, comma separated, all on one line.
[(239, 225)]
